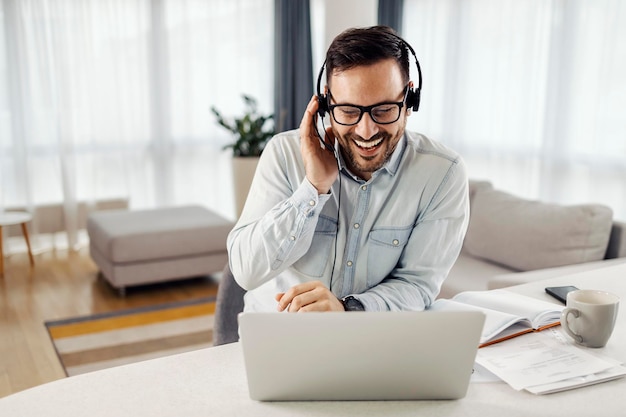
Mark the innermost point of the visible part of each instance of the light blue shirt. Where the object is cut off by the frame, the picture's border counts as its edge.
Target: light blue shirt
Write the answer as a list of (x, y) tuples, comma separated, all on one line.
[(389, 241)]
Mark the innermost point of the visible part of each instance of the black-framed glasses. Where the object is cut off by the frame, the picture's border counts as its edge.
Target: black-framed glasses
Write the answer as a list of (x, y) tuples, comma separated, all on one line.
[(381, 113)]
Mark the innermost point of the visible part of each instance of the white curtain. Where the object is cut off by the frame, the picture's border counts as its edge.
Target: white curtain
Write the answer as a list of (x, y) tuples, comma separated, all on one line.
[(103, 99), (532, 93)]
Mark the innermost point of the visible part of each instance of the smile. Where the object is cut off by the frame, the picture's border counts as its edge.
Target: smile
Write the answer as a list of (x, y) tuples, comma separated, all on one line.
[(368, 145)]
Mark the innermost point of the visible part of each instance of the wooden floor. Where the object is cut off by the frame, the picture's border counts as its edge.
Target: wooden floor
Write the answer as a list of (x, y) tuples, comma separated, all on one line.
[(62, 284)]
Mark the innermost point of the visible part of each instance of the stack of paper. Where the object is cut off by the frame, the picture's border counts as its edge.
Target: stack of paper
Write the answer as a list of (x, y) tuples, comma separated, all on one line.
[(547, 362)]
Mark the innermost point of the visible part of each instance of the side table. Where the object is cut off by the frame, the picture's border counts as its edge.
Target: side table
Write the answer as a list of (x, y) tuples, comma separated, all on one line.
[(10, 218)]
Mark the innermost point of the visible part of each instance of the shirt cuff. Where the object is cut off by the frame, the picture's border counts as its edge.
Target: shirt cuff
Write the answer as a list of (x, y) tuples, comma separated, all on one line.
[(369, 301), (307, 200)]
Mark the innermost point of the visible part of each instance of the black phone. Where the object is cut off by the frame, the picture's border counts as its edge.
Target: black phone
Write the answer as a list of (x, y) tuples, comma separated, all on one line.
[(560, 293)]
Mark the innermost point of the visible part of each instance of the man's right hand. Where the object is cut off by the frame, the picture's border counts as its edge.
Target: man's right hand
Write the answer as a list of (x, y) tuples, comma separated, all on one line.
[(320, 164)]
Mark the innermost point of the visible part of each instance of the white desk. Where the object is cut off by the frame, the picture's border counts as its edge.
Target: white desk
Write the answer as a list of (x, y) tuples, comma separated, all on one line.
[(212, 382)]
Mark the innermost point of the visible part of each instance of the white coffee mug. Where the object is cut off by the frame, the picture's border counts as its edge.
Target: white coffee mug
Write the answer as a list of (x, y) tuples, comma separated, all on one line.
[(589, 317)]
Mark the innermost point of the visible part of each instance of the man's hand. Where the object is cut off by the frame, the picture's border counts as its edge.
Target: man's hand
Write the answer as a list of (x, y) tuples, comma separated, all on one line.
[(320, 164), (310, 296)]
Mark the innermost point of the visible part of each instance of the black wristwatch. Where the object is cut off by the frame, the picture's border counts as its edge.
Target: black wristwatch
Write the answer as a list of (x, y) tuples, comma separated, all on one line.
[(352, 304)]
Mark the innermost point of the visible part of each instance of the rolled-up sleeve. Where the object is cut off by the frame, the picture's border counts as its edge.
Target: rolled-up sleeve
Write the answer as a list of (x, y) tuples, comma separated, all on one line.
[(278, 221)]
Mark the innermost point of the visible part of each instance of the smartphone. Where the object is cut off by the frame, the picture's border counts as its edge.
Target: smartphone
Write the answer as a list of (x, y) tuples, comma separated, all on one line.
[(560, 293)]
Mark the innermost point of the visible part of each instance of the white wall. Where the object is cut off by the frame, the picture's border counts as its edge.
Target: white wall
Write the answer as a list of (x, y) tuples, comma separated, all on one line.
[(331, 17), (343, 14)]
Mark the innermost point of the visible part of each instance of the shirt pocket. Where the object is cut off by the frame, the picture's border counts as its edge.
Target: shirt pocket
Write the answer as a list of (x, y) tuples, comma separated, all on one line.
[(313, 263), (385, 248)]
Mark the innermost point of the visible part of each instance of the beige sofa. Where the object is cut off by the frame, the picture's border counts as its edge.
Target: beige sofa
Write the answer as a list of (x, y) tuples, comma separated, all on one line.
[(511, 240)]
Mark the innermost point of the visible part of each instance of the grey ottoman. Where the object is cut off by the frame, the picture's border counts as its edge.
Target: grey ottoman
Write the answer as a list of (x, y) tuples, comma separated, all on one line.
[(149, 246)]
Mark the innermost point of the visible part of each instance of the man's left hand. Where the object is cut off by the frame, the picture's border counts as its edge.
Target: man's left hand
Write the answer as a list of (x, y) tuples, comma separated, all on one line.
[(309, 296)]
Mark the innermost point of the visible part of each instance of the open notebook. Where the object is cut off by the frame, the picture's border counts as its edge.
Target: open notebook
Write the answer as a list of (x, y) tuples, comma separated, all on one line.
[(359, 355), (508, 314)]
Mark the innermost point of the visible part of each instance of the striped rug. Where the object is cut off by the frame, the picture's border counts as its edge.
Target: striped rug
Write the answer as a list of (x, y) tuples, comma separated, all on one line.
[(86, 344)]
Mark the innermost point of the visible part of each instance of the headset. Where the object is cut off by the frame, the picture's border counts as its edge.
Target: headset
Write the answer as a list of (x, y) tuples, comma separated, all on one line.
[(412, 98)]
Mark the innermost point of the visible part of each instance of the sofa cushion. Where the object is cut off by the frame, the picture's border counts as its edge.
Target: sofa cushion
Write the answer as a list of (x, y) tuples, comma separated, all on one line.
[(470, 273), (526, 235), (476, 185)]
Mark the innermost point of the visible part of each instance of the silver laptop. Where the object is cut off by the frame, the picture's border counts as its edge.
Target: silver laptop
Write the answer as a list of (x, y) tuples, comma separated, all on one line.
[(359, 355)]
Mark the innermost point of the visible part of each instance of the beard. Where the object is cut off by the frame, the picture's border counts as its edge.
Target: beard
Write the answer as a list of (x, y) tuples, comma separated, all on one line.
[(368, 164)]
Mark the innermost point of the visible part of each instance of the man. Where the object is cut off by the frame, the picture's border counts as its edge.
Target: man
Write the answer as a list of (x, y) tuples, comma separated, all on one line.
[(376, 227)]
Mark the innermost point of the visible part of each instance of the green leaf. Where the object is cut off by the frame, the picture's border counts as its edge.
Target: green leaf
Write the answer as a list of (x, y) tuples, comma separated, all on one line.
[(250, 130)]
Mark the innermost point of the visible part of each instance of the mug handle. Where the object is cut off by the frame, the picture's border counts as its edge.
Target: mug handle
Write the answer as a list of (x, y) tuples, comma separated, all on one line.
[(565, 324)]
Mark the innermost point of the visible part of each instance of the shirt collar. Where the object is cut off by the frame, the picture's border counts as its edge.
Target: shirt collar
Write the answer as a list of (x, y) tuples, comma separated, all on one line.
[(393, 164)]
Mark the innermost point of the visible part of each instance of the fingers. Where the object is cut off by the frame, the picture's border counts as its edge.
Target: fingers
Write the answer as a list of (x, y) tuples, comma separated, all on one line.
[(309, 296), (287, 298), (319, 161), (329, 137), (304, 300), (308, 119), (308, 130)]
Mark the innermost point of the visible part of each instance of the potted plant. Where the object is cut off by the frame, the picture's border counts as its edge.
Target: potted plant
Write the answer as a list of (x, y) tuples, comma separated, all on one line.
[(252, 131)]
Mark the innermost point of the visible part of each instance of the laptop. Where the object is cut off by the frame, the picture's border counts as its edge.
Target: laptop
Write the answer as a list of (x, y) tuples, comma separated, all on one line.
[(359, 355)]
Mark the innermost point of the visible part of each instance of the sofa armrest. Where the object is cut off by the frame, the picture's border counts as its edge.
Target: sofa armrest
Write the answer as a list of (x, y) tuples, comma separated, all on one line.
[(617, 241), (517, 278)]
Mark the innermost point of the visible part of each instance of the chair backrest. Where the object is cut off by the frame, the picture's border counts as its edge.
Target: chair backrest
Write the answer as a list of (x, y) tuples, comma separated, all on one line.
[(617, 241), (228, 305)]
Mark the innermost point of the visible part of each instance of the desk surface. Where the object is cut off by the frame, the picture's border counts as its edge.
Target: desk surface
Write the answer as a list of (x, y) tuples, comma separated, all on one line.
[(212, 382)]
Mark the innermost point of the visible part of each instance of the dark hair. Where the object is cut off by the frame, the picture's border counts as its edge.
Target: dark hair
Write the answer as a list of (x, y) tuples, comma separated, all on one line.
[(366, 46)]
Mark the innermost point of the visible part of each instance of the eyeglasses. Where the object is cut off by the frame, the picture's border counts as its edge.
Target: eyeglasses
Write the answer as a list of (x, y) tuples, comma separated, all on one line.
[(382, 113)]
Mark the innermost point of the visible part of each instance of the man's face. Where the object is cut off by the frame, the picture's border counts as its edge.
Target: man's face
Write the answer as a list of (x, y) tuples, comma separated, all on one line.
[(367, 146)]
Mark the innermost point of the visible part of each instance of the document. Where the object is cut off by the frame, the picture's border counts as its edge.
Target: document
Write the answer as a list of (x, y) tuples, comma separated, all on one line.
[(481, 375), (507, 314), (582, 381), (547, 362)]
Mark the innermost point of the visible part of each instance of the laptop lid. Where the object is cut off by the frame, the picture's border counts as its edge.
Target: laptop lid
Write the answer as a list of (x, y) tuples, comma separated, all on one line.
[(359, 355)]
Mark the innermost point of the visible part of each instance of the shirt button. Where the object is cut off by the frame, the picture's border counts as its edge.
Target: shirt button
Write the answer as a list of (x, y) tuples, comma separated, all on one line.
[(292, 238), (396, 242), (356, 225), (349, 263), (312, 203), (364, 187)]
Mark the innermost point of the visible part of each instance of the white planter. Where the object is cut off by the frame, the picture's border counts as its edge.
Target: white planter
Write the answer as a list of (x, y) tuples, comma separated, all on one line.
[(243, 172)]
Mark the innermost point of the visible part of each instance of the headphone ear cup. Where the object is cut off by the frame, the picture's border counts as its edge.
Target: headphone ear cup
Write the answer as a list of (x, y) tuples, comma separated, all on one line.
[(322, 105), (413, 99)]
